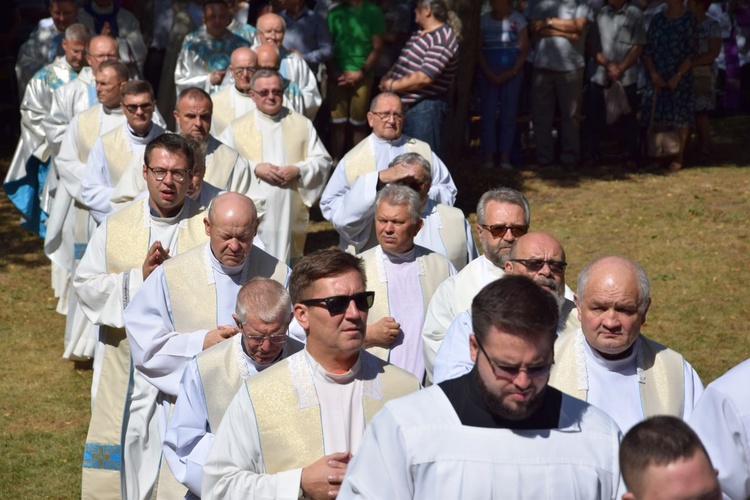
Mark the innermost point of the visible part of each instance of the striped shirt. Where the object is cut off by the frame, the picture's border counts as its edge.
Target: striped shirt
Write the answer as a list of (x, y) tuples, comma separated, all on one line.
[(435, 54)]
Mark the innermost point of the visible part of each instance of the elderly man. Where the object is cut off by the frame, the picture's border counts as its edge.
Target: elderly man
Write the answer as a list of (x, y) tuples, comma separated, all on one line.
[(722, 420), (45, 42), (105, 17), (289, 162), (28, 169), (69, 225), (557, 32), (609, 362), (109, 180), (223, 166), (271, 30), (269, 57), (404, 276), (292, 429), (502, 216), (123, 252), (362, 170), (233, 101), (214, 376), (536, 255), (497, 431), (663, 458), (205, 53), (306, 33)]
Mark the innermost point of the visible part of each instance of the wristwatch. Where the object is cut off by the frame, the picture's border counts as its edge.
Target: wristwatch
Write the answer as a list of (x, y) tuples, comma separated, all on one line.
[(549, 22)]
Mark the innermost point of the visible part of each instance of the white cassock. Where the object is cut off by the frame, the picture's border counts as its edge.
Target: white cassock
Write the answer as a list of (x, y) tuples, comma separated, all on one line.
[(71, 99), (125, 29), (242, 29), (114, 170), (351, 208), (201, 55), (30, 164), (190, 435), (284, 211), (418, 447), (42, 47), (722, 421), (302, 83)]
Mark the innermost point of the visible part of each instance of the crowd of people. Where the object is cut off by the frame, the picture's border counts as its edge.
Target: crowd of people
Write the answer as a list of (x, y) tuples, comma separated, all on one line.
[(229, 363)]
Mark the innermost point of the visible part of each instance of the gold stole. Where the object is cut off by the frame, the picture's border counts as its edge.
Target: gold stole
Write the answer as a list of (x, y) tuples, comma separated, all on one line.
[(89, 125), (361, 159), (116, 153), (455, 244), (220, 366), (248, 141), (221, 168), (290, 431), (662, 388), (224, 112), (436, 270)]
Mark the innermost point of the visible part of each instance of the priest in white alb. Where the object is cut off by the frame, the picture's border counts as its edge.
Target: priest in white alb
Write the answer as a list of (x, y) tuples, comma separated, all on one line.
[(113, 175), (362, 170), (403, 276), (290, 430), (609, 362), (234, 101), (123, 445), (289, 163), (211, 379)]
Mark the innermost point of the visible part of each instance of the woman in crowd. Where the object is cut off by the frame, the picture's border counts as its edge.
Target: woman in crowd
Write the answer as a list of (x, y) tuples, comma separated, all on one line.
[(672, 44), (503, 50)]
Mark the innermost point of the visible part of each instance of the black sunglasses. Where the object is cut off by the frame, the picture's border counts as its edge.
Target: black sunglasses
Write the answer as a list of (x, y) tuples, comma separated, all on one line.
[(338, 303)]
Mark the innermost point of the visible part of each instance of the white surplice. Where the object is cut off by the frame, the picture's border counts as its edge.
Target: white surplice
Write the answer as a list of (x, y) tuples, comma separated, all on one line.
[(417, 447), (72, 98), (351, 209), (722, 421), (189, 435), (229, 104)]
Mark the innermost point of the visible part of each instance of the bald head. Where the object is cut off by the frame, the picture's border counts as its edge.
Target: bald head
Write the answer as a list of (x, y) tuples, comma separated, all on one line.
[(540, 257), (101, 48), (243, 64), (231, 225), (271, 28), (268, 57)]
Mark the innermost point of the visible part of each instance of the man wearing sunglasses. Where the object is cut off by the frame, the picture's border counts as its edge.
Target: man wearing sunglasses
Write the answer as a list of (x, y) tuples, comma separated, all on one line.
[(609, 362), (536, 255), (291, 430), (498, 431), (289, 163), (211, 379), (502, 216), (113, 170)]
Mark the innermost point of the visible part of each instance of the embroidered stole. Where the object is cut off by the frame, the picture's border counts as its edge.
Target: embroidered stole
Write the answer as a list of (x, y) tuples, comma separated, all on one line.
[(224, 111), (221, 168), (117, 153), (361, 159), (287, 410), (220, 366), (662, 379), (454, 242), (435, 268)]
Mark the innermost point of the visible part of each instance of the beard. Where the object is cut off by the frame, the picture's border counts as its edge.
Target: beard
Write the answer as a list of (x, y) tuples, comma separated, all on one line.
[(557, 293), (497, 407)]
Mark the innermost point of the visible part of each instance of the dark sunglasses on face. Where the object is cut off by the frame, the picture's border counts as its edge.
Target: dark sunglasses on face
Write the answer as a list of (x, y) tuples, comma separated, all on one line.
[(339, 303)]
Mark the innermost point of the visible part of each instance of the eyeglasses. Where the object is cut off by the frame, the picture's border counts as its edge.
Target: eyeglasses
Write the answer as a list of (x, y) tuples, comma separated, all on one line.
[(385, 116), (339, 303), (132, 108), (275, 339), (511, 372), (104, 57), (161, 173), (264, 93), (534, 265), (244, 69), (499, 230)]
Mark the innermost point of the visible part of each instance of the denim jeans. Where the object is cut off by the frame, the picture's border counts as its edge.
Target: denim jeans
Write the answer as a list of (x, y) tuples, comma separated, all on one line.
[(423, 121), (493, 138)]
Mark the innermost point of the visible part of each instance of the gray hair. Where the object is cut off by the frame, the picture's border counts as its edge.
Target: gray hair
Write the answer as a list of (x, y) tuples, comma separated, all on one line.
[(265, 298), (442, 13), (396, 195), (78, 32), (265, 73), (414, 159), (503, 195), (644, 284)]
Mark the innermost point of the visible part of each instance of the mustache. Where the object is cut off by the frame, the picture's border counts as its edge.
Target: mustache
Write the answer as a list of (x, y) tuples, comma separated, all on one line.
[(549, 282)]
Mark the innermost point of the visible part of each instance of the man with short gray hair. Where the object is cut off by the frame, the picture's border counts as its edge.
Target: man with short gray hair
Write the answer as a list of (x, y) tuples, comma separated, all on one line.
[(609, 362), (404, 277)]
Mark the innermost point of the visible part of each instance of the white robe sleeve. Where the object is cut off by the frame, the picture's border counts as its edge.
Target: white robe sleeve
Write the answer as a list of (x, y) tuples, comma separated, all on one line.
[(314, 170), (350, 210), (307, 83), (239, 181), (131, 40), (159, 352), (190, 71), (443, 190), (471, 246), (35, 106), (693, 389), (440, 315), (453, 359), (188, 439), (60, 118), (380, 468), (234, 466), (102, 295), (68, 163), (96, 187)]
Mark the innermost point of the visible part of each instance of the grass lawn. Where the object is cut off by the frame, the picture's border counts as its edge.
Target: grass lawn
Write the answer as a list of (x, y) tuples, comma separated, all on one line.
[(690, 230)]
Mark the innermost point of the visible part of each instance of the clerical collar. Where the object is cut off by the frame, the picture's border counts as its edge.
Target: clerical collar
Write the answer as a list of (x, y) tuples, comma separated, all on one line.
[(224, 269), (242, 93), (336, 378), (117, 110), (466, 399), (391, 142), (271, 118), (171, 215), (615, 365), (141, 136), (396, 258)]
